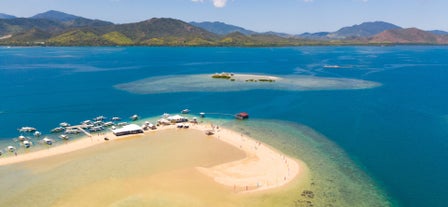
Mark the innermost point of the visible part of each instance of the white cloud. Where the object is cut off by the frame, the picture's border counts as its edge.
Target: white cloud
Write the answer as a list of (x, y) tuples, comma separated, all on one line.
[(216, 3), (219, 3), (308, 1)]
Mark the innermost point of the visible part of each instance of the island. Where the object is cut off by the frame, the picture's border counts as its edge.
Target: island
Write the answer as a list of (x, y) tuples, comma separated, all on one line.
[(245, 77)]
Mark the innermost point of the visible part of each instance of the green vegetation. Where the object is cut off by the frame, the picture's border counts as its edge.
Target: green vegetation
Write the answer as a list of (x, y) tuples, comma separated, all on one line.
[(266, 80), (230, 76), (78, 37), (117, 38), (223, 76), (78, 31), (260, 80)]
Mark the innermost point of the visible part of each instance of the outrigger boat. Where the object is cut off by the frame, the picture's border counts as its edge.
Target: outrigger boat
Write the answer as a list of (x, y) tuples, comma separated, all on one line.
[(57, 130), (64, 136), (27, 129), (27, 144)]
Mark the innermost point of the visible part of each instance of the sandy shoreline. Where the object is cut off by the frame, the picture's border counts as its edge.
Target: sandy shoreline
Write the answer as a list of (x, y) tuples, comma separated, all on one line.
[(262, 168)]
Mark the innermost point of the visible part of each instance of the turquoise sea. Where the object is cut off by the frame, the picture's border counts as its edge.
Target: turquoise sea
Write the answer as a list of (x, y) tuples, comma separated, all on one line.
[(395, 133)]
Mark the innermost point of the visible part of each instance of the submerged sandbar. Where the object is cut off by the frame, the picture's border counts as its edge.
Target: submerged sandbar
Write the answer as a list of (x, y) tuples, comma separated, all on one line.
[(241, 82)]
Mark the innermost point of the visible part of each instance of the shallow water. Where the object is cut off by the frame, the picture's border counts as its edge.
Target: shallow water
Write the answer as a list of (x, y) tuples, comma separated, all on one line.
[(335, 179)]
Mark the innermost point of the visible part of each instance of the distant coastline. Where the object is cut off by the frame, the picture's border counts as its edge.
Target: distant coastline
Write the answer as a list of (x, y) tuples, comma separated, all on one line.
[(55, 28)]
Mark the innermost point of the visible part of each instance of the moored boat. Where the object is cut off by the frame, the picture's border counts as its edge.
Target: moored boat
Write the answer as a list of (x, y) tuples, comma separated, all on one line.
[(11, 149), (185, 111), (116, 118), (96, 129), (99, 118), (47, 141), (57, 130), (134, 117), (64, 124), (108, 124), (122, 124), (64, 136), (72, 131), (27, 144), (86, 122), (22, 138), (27, 129), (242, 116)]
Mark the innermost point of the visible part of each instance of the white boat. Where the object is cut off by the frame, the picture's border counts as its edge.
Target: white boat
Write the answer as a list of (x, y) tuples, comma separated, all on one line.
[(86, 122), (57, 130), (64, 136), (116, 118), (185, 111), (134, 117), (87, 126), (27, 129), (99, 118), (98, 123), (152, 126), (72, 131), (122, 124), (96, 129), (11, 149), (47, 141), (22, 138), (108, 124), (27, 144), (37, 134), (64, 124)]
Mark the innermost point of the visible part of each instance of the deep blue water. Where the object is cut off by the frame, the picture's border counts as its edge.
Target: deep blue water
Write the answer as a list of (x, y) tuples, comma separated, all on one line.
[(397, 133)]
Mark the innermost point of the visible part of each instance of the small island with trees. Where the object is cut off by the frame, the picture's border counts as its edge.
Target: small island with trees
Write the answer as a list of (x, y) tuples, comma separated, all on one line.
[(244, 77)]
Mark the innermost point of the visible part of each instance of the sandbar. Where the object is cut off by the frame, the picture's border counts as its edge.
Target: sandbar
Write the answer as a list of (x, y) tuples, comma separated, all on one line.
[(262, 168), (241, 82)]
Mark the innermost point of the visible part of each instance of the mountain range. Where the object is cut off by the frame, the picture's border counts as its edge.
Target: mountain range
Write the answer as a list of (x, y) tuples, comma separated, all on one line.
[(62, 29)]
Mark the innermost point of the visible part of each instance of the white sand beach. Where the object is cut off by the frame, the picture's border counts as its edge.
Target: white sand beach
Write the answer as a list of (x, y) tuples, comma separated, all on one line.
[(262, 168)]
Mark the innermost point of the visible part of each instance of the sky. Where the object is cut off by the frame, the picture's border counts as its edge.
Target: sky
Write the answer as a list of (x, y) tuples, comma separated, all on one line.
[(288, 16)]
